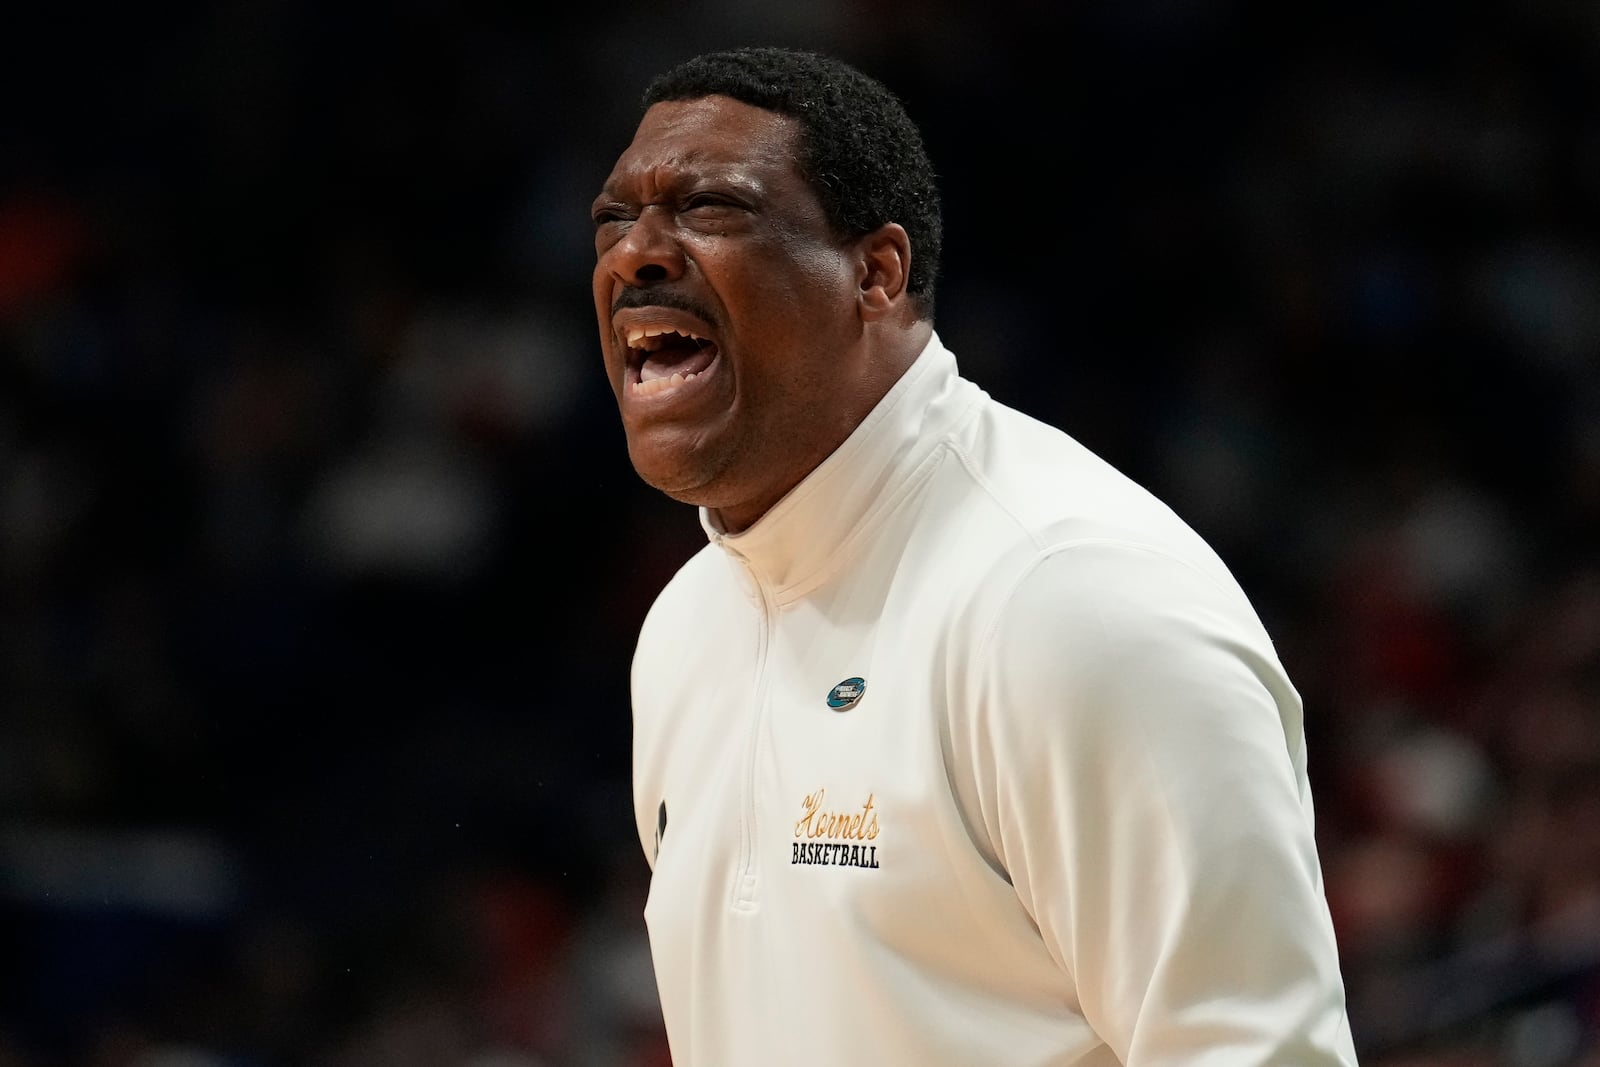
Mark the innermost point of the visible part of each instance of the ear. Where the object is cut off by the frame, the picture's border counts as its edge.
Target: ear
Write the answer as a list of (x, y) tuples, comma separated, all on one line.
[(882, 269)]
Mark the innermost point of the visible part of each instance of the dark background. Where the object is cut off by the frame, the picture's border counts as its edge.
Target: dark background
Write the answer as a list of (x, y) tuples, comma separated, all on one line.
[(321, 561)]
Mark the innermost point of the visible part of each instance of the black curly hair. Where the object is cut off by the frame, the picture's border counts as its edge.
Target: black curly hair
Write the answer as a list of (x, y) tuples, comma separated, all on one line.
[(859, 149)]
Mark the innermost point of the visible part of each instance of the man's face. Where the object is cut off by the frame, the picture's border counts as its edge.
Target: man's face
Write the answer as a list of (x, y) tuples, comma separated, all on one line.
[(727, 308)]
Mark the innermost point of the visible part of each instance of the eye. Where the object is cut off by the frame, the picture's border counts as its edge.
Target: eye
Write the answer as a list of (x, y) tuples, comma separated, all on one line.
[(704, 203)]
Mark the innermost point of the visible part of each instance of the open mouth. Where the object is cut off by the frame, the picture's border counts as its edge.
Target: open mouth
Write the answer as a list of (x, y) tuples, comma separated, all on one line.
[(664, 357)]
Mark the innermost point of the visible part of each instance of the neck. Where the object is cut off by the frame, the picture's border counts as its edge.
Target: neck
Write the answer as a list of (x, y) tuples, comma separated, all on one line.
[(884, 364)]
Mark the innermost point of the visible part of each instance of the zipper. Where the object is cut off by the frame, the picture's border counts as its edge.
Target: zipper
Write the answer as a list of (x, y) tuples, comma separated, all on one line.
[(744, 886)]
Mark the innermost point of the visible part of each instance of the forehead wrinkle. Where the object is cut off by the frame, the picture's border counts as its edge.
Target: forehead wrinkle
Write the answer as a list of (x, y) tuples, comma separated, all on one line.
[(679, 144), (663, 176)]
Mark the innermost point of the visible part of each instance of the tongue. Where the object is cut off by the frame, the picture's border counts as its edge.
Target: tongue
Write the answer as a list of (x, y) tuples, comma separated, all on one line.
[(685, 359)]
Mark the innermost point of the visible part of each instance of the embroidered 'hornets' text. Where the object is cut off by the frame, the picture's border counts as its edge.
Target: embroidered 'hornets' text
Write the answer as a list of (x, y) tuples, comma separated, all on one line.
[(835, 838)]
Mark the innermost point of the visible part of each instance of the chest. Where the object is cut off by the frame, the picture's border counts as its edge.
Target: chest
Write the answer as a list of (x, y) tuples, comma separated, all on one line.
[(808, 768)]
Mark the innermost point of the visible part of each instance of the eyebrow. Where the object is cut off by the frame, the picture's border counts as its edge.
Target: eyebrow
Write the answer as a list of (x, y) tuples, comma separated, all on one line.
[(690, 168)]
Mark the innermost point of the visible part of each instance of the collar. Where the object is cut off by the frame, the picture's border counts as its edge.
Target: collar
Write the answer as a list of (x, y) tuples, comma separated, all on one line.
[(806, 535)]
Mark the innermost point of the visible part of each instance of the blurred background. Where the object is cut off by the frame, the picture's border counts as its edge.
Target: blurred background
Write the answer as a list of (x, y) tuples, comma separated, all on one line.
[(321, 560)]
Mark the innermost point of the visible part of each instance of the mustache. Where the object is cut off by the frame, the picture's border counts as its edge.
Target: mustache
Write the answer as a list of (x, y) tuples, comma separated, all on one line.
[(649, 297)]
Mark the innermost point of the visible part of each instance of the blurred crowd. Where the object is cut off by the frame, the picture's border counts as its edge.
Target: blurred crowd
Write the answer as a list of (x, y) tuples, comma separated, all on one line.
[(321, 560)]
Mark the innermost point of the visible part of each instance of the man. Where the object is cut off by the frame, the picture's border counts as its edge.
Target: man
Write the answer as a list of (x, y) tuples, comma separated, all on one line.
[(953, 746)]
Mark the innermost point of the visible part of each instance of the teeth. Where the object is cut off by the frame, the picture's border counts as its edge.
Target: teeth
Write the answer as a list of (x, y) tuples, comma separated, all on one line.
[(657, 385), (639, 333)]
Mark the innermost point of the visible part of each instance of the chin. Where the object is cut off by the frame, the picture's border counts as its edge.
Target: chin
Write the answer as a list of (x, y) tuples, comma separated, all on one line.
[(670, 473)]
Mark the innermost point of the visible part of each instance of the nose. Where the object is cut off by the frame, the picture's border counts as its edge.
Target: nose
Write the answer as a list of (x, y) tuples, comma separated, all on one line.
[(647, 253)]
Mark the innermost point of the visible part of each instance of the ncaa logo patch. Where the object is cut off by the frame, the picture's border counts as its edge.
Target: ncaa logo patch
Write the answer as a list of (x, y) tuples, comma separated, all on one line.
[(846, 694)]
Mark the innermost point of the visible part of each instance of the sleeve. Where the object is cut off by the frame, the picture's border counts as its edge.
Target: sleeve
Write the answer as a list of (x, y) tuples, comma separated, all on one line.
[(1139, 767)]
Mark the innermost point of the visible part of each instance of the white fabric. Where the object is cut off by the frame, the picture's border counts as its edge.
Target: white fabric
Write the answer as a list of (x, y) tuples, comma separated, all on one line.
[(1068, 821)]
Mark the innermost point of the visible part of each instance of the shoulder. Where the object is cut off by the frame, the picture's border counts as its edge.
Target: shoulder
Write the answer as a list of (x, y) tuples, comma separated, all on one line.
[(1057, 489), (1096, 604), (1056, 537)]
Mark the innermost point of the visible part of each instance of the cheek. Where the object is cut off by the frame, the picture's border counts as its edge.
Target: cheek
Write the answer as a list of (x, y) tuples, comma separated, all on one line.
[(814, 292), (822, 268), (602, 315), (601, 287)]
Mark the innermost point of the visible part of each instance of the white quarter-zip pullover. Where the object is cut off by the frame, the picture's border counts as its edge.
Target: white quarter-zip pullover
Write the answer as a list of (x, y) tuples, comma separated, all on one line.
[(970, 753)]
